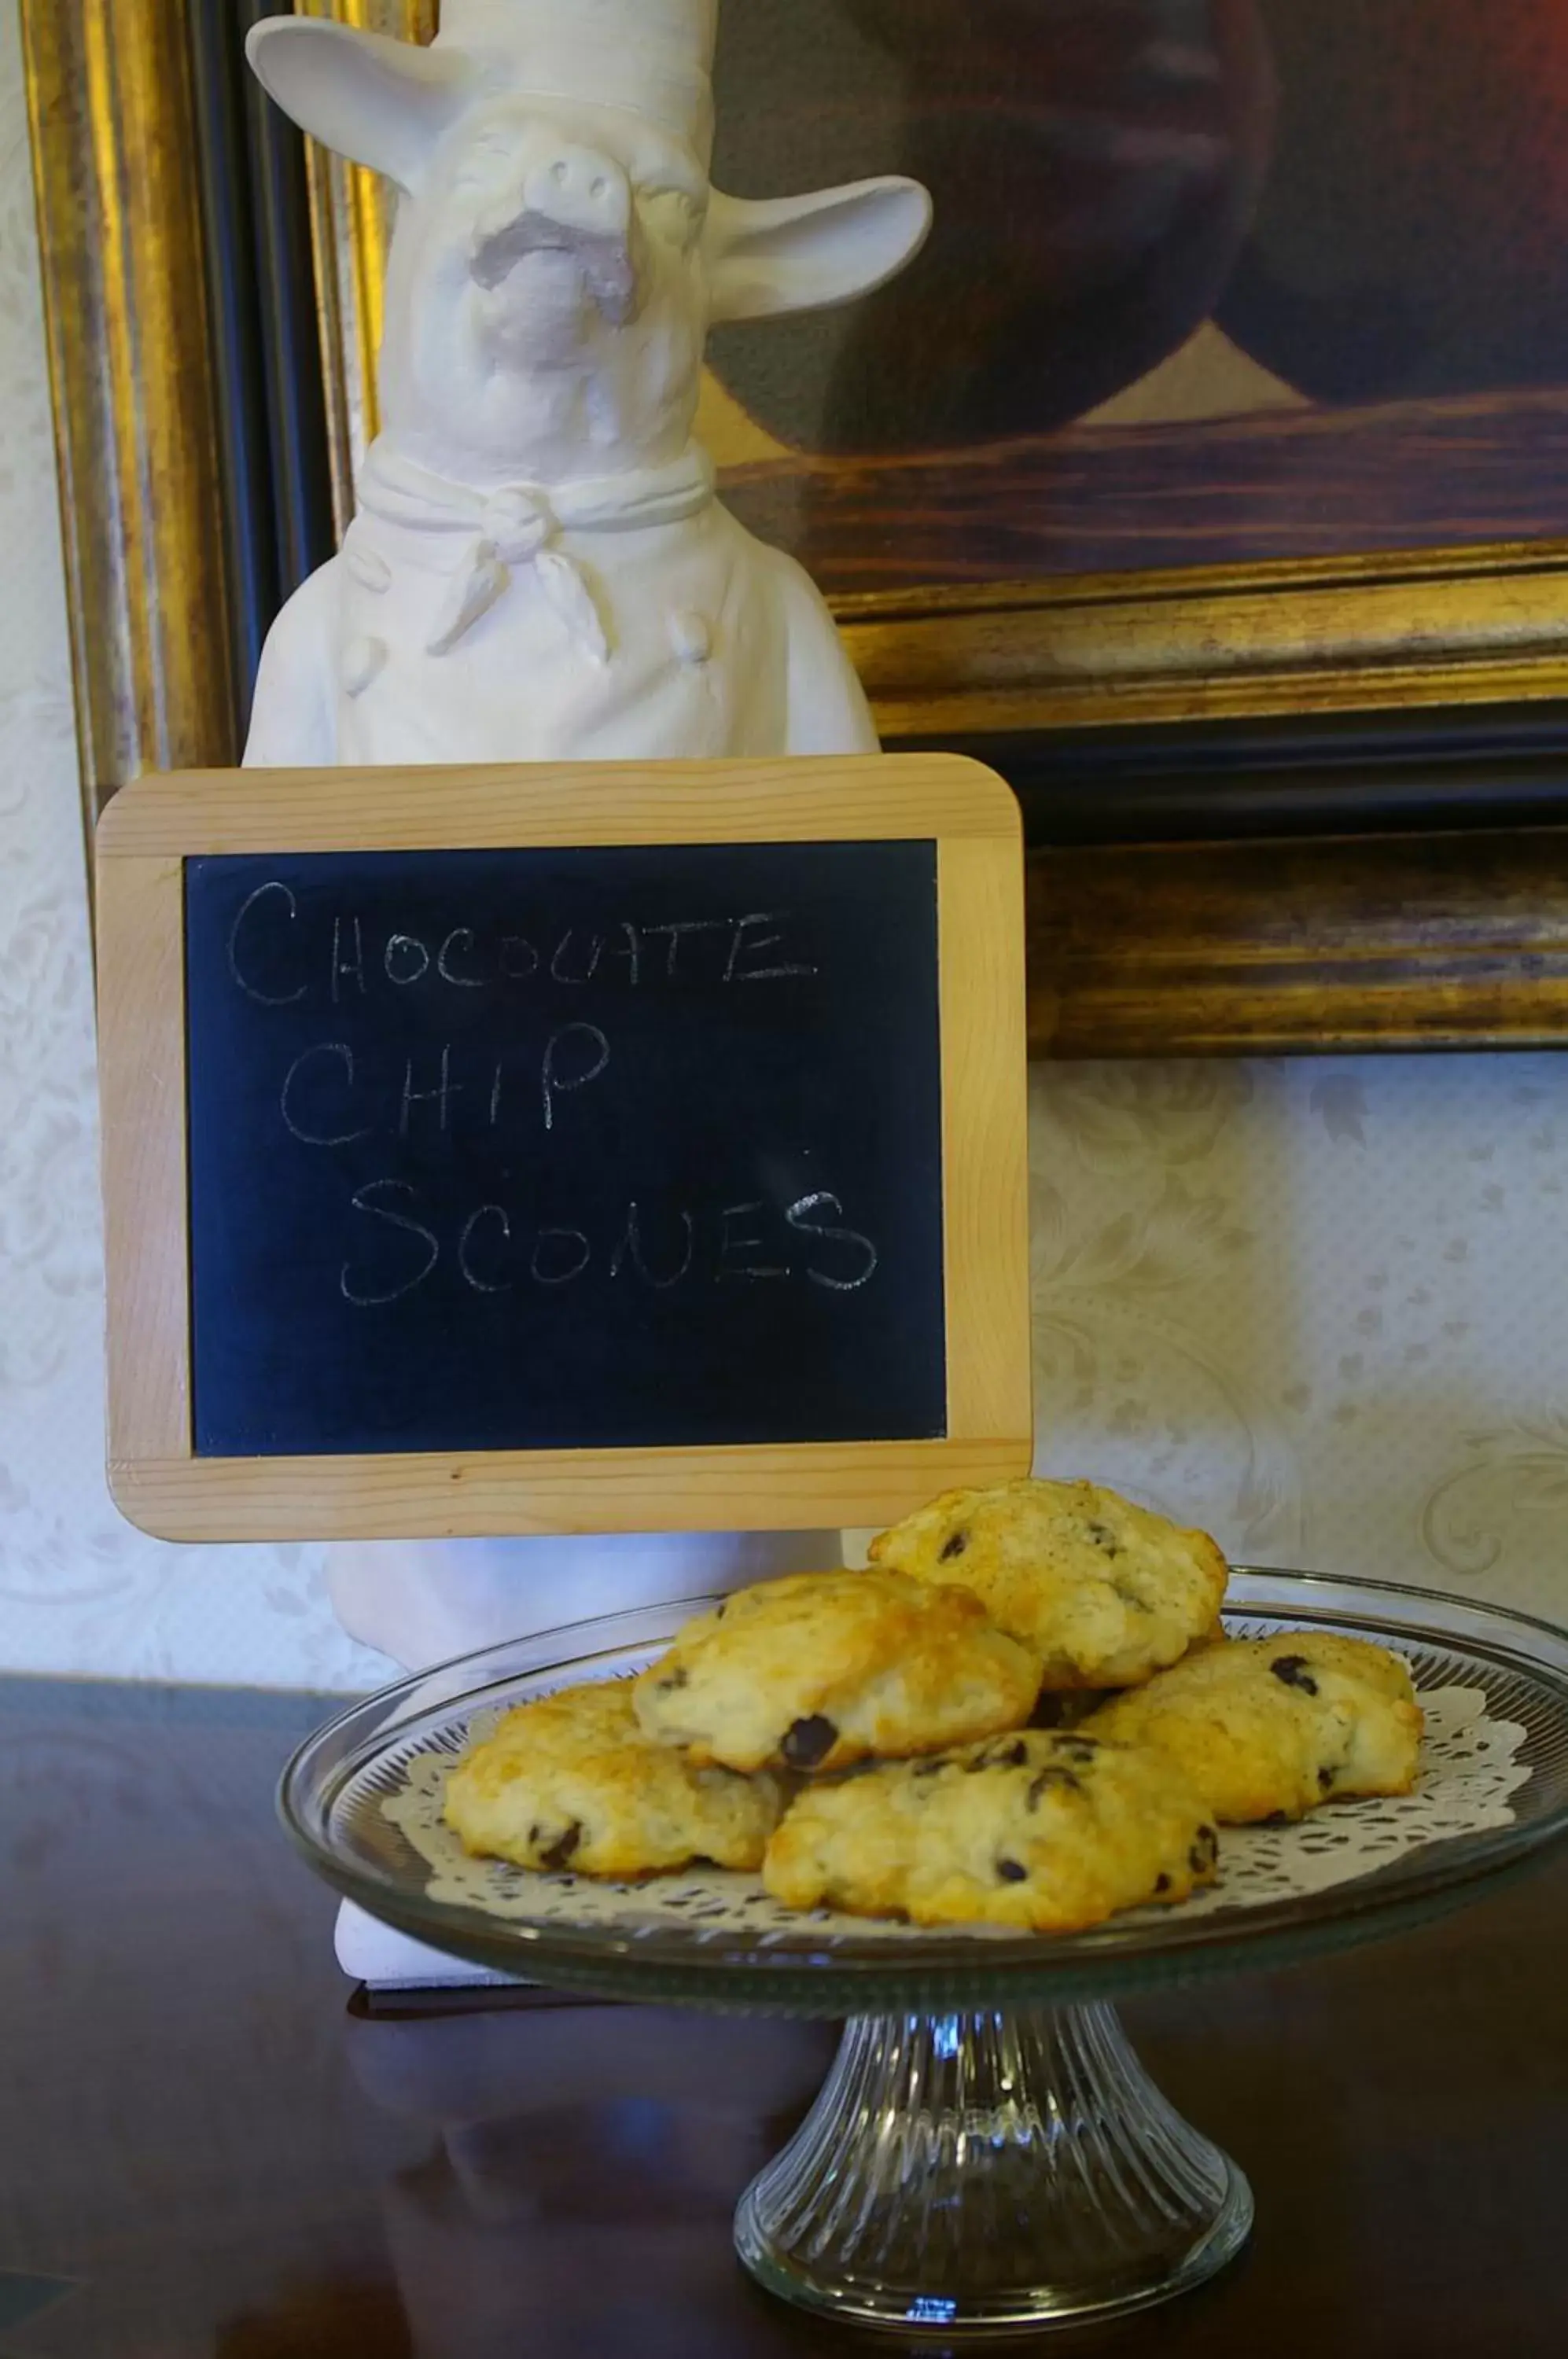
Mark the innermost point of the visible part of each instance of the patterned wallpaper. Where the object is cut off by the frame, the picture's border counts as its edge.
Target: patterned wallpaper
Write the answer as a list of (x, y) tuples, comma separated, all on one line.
[(79, 1589), (1324, 1307)]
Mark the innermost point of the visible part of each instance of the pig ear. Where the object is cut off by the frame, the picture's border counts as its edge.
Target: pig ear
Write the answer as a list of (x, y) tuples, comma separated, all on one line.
[(802, 254), (380, 102)]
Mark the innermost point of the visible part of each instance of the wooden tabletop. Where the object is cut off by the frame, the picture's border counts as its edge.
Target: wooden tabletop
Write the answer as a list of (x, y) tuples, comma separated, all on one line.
[(205, 2154)]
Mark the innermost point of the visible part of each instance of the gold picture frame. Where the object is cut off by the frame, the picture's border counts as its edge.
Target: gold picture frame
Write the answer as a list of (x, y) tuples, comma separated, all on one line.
[(120, 233), (1428, 627), (1477, 631), (350, 223)]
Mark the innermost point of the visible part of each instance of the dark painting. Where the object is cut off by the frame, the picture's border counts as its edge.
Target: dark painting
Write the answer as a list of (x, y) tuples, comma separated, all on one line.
[(1212, 282)]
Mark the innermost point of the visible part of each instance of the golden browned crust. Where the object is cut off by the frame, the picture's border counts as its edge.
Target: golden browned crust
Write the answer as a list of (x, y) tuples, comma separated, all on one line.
[(1269, 1728), (1104, 1592), (822, 1669), (571, 1782), (1047, 1832)]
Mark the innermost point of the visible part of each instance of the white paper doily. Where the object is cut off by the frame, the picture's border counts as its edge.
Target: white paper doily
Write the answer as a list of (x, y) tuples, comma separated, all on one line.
[(1470, 1766)]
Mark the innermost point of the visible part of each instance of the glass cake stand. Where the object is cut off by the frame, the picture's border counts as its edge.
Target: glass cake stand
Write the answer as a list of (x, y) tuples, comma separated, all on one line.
[(986, 2152)]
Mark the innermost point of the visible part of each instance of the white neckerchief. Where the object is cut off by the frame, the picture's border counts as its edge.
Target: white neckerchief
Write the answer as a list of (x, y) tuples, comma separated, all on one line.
[(519, 524)]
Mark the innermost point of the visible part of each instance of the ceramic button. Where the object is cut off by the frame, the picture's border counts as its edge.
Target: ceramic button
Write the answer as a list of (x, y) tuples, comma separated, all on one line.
[(363, 659)]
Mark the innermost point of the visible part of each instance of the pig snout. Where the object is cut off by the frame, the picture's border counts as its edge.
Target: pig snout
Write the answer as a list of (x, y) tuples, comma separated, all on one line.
[(570, 200)]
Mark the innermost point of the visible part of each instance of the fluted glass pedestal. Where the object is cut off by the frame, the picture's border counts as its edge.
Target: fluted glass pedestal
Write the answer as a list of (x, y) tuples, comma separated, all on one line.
[(987, 2152), (991, 2170)]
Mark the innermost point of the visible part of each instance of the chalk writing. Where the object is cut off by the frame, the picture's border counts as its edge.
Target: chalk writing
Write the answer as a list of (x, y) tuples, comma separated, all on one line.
[(449, 950), (445, 1090), (804, 1217), (629, 1146), (340, 1052), (465, 1246), (252, 990), (629, 1252), (682, 930), (742, 949), (406, 960), (581, 1044), (368, 1297), (351, 968), (517, 959), (675, 1248), (561, 963), (747, 1217), (627, 955), (550, 1266)]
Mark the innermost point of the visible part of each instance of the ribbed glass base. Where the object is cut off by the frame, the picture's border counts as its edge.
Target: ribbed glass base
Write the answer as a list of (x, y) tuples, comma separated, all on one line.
[(972, 2171)]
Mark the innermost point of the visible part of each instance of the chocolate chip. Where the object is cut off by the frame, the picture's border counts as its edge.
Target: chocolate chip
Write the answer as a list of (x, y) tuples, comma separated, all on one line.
[(953, 1548), (719, 1612), (809, 1742), (1062, 1778), (1325, 1780), (676, 1679), (1163, 1884), (1204, 1852), (1011, 1872), (1292, 1670), (1104, 1537), (1011, 1757), (561, 1851)]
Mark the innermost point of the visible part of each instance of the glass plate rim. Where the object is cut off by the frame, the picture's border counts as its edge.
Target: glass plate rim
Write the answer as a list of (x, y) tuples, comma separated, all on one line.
[(1419, 1885)]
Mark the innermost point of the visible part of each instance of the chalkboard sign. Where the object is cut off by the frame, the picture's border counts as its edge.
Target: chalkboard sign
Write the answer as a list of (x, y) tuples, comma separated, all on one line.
[(552, 1150), (463, 1177)]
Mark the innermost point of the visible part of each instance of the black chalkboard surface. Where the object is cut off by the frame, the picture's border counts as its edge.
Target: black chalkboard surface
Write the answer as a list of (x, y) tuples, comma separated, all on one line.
[(527, 1149)]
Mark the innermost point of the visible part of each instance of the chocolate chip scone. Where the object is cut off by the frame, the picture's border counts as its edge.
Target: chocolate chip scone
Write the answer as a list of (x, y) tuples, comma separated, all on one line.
[(823, 1669), (1052, 1833), (571, 1781), (1268, 1728), (1105, 1592)]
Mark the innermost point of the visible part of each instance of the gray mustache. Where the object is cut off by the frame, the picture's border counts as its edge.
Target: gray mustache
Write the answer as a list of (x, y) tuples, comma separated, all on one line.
[(608, 272)]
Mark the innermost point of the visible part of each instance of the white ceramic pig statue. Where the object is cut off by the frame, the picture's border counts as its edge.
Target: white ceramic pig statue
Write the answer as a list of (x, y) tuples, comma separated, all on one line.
[(539, 570)]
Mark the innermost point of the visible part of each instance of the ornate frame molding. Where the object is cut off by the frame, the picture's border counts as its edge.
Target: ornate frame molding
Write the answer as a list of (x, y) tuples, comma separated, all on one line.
[(1315, 635), (1436, 945), (120, 229)]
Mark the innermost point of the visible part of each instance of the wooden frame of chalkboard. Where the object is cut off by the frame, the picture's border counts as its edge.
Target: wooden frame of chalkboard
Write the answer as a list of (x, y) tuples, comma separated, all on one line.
[(161, 827)]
